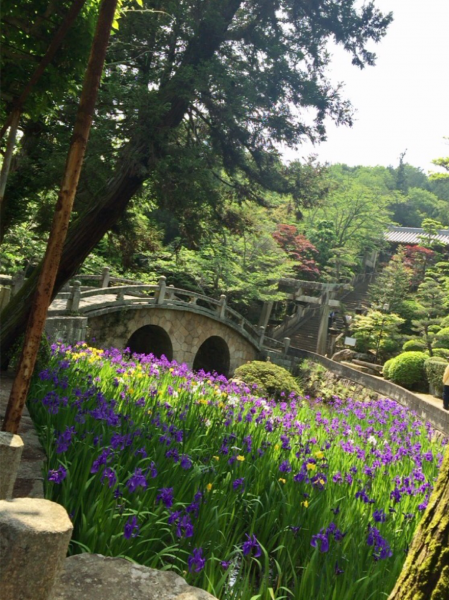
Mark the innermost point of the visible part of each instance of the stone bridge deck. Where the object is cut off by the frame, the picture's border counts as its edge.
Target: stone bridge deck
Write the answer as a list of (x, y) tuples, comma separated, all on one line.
[(185, 326)]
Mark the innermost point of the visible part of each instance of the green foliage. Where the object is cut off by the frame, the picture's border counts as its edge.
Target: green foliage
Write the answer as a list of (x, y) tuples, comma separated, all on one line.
[(319, 382), (407, 369), (376, 331), (409, 311), (435, 368), (392, 284), (387, 367), (43, 354), (415, 344), (441, 352), (442, 338), (272, 381), (431, 297)]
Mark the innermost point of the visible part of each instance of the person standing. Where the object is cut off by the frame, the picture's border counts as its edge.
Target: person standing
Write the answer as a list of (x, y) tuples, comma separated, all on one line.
[(446, 388)]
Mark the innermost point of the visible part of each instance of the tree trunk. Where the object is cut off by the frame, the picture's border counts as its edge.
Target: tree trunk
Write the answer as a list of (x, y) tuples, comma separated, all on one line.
[(425, 575), (63, 210), (137, 161), (8, 154)]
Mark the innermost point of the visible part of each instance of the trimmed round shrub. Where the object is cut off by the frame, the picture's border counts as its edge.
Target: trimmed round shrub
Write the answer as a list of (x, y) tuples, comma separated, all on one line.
[(407, 369), (435, 368), (445, 322), (441, 352), (412, 345), (442, 338), (386, 368), (271, 380)]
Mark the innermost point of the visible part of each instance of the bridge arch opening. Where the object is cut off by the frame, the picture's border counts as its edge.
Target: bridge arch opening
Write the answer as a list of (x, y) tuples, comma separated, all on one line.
[(151, 339), (213, 355)]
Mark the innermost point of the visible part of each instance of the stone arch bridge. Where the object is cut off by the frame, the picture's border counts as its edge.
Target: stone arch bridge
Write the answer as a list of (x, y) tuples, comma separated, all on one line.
[(184, 326)]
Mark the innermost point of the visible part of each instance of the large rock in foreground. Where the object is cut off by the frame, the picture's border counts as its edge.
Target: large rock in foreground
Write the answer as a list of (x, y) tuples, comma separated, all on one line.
[(96, 577)]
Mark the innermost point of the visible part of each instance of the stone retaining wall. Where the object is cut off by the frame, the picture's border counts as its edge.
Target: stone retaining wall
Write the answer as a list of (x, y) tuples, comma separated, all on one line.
[(438, 417)]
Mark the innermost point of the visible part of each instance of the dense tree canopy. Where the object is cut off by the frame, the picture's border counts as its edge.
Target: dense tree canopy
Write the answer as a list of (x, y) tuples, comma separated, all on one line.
[(210, 86)]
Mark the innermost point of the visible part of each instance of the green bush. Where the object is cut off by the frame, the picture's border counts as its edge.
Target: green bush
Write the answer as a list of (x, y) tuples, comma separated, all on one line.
[(271, 380), (43, 354), (442, 338), (441, 352), (435, 368), (411, 345), (445, 322), (408, 310), (386, 368), (407, 369)]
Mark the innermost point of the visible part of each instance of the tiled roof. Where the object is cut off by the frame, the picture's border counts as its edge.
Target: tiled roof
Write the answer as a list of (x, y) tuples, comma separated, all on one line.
[(413, 235)]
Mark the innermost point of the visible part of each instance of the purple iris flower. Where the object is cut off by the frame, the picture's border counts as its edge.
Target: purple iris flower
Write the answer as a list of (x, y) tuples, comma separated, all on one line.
[(131, 528), (184, 527), (285, 467), (379, 516), (237, 484), (185, 462), (165, 496), (196, 561), (322, 540), (57, 475), (250, 545), (381, 547), (109, 475), (136, 480)]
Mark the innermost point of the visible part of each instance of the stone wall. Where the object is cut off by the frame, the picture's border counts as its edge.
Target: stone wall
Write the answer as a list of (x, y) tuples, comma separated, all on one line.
[(187, 330), (66, 329)]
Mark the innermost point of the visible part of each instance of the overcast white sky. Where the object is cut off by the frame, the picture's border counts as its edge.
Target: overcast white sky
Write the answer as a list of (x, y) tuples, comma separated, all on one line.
[(402, 102)]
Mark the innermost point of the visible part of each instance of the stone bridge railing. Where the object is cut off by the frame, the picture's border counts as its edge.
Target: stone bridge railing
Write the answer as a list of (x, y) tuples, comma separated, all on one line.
[(95, 301)]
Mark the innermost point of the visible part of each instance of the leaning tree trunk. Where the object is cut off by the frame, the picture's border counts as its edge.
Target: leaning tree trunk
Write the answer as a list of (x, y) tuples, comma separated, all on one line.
[(63, 210), (137, 162), (425, 575)]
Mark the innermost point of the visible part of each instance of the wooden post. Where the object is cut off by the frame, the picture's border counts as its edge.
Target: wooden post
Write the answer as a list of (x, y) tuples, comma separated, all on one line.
[(61, 218)]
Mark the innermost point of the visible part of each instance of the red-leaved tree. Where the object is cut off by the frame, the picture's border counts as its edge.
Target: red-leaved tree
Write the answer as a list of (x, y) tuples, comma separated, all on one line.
[(299, 249)]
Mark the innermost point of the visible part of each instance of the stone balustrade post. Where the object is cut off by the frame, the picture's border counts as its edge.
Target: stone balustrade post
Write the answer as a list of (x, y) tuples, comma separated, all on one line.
[(170, 294), (105, 277), (73, 301), (17, 282), (161, 291), (120, 298), (242, 323), (262, 335), (5, 297), (286, 344), (221, 308), (193, 300), (35, 535), (11, 447)]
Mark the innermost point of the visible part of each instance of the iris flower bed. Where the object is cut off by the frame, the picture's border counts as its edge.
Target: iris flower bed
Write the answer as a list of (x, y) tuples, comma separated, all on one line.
[(244, 497)]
